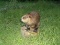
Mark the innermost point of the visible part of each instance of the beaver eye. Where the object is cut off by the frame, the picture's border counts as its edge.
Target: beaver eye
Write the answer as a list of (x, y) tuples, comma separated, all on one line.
[(24, 17)]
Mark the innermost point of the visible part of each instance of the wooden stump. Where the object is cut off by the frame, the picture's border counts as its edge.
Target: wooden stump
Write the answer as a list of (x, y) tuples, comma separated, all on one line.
[(27, 33)]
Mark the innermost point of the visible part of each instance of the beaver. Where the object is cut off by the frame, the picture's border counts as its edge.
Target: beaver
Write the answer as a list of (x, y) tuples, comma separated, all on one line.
[(31, 20)]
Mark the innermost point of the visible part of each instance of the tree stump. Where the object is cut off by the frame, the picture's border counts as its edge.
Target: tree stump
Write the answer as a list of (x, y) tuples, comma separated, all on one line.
[(28, 33)]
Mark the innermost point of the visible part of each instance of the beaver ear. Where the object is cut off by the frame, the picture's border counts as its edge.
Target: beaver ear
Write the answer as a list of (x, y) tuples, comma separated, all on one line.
[(29, 16), (29, 13)]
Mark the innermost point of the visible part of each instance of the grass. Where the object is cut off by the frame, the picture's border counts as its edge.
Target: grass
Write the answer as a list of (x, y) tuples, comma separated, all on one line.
[(10, 15)]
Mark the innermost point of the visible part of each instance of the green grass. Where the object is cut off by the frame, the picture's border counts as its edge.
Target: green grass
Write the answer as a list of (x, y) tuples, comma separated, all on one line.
[(10, 15)]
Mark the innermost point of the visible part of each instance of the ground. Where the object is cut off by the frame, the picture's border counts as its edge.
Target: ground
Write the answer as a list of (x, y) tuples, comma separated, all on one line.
[(10, 23)]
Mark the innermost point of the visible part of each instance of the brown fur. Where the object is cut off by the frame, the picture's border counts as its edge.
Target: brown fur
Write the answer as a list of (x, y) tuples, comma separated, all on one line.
[(32, 20)]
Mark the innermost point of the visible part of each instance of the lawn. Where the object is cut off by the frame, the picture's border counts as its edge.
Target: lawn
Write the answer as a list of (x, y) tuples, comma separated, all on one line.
[(10, 24)]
